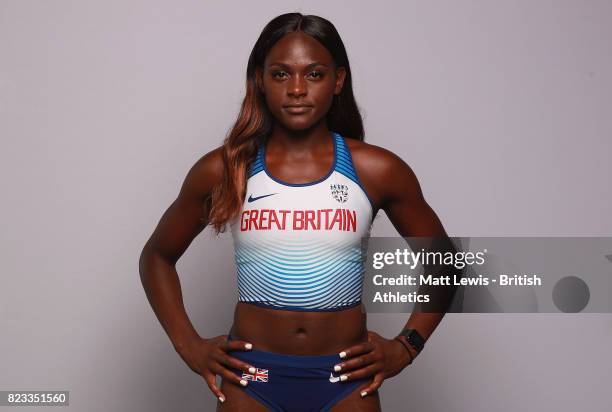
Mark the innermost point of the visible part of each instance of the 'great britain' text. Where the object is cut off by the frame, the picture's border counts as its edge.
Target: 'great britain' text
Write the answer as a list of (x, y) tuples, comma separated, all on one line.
[(321, 219)]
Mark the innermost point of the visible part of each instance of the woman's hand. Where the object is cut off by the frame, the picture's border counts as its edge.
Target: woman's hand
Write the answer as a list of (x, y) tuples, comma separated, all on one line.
[(383, 358), (208, 357)]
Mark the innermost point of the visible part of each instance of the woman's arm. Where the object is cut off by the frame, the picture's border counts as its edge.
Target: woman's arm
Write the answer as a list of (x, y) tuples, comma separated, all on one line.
[(394, 188), (180, 224), (405, 205)]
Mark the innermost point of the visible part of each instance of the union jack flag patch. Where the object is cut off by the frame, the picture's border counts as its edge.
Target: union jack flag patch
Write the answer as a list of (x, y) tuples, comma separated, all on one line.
[(261, 375)]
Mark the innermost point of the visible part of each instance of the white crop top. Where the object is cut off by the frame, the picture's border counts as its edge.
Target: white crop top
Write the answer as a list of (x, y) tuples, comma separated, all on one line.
[(299, 246)]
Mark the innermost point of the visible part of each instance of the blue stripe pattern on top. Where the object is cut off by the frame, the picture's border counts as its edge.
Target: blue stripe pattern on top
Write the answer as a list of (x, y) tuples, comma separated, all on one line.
[(344, 162), (344, 165), (306, 275), (257, 165)]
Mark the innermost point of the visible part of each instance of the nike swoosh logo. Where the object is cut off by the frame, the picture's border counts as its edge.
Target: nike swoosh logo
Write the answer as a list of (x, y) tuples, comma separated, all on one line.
[(252, 199), (332, 378)]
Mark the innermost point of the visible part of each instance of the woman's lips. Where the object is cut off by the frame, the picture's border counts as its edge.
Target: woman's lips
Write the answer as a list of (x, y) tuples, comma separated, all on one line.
[(297, 110)]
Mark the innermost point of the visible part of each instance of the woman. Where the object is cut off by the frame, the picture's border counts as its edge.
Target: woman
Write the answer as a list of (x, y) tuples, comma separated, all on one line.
[(299, 188)]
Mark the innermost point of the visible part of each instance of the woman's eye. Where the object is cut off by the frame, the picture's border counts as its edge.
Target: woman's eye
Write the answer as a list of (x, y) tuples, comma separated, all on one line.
[(280, 75)]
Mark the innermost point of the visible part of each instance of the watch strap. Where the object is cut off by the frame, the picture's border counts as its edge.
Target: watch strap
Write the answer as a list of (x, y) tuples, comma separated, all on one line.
[(414, 338)]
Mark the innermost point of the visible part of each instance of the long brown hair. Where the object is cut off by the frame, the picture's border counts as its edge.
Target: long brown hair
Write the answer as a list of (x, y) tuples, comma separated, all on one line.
[(254, 122)]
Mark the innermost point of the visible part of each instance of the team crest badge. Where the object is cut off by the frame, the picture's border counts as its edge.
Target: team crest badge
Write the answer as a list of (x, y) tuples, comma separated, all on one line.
[(339, 192), (260, 375)]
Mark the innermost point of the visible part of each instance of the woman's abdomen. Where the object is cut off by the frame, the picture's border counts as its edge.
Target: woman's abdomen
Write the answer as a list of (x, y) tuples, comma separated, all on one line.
[(299, 332)]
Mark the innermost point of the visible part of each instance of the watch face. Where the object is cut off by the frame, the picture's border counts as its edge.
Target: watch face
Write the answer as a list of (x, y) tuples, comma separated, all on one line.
[(414, 338)]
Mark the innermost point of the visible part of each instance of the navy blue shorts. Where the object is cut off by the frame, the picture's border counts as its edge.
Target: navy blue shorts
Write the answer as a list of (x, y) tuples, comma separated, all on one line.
[(295, 383)]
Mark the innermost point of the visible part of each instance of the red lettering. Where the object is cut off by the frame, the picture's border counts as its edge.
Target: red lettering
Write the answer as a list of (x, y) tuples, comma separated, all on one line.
[(244, 220), (351, 220), (320, 219), (337, 219), (253, 220), (284, 221), (326, 211), (310, 217), (298, 220), (263, 216), (273, 219)]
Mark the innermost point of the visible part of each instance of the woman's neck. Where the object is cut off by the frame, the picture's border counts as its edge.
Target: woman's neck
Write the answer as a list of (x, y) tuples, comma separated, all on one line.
[(298, 142)]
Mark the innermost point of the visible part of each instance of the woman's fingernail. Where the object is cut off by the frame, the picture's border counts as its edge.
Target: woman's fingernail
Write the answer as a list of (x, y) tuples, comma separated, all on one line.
[(337, 368), (343, 378), (251, 370), (221, 399), (248, 346), (364, 393), (343, 355), (243, 382)]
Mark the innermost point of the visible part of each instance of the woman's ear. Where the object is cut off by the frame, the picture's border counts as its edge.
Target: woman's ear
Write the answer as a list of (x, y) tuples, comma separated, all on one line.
[(259, 80), (340, 75)]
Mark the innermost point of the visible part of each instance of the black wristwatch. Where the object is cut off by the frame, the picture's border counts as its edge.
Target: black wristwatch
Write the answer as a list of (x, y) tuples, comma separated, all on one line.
[(414, 338)]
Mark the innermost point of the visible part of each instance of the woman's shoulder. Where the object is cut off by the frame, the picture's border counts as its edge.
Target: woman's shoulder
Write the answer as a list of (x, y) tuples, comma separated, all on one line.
[(381, 171), (375, 160), (205, 173)]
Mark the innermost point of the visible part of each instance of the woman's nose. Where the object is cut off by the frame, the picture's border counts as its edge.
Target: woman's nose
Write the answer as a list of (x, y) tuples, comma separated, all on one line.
[(297, 86)]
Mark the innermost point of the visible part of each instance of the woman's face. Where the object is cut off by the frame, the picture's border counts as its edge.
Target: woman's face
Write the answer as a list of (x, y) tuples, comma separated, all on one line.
[(299, 71)]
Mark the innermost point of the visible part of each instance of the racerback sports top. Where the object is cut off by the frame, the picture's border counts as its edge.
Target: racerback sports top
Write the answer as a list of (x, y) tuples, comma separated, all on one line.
[(299, 246)]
